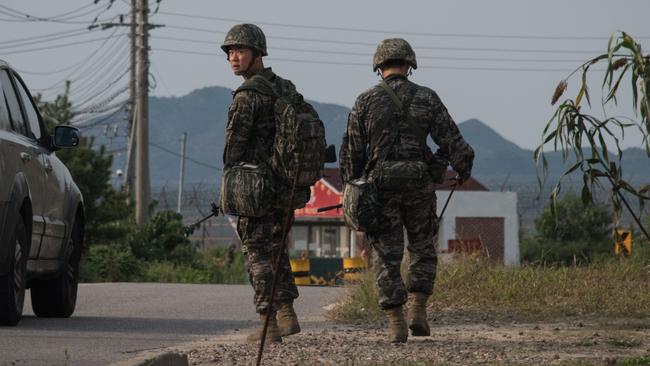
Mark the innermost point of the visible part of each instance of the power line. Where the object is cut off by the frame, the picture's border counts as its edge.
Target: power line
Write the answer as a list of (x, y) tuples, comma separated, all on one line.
[(439, 48), (19, 16), (319, 62), (90, 123), (105, 89), (365, 54), (186, 157), (49, 72), (383, 31), (43, 36), (98, 109), (50, 17), (87, 66), (47, 40), (56, 46), (105, 71)]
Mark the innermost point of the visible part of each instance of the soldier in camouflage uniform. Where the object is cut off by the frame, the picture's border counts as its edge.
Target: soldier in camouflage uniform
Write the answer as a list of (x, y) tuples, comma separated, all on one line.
[(249, 138), (379, 136)]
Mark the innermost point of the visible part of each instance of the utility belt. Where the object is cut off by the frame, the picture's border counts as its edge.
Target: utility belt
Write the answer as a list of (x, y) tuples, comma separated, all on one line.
[(399, 175)]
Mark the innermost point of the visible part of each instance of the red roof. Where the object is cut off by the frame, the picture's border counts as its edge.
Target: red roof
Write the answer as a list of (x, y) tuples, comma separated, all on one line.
[(333, 177)]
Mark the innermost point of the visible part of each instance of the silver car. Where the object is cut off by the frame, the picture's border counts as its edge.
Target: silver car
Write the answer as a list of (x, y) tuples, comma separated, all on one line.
[(41, 209)]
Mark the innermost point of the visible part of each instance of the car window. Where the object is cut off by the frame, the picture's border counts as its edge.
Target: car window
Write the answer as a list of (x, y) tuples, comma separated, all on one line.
[(16, 116), (28, 104), (4, 112)]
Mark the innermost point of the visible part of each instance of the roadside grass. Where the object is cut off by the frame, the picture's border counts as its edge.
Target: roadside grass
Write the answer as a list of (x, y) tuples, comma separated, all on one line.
[(635, 361), (609, 287), (118, 264)]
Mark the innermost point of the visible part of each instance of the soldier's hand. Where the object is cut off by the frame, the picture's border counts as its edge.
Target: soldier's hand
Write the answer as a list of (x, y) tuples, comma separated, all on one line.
[(463, 177)]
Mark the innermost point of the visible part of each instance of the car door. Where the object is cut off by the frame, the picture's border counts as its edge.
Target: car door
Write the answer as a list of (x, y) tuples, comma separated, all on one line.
[(54, 180), (24, 157)]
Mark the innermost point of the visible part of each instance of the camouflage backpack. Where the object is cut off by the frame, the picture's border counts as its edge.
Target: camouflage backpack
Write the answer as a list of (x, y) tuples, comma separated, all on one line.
[(299, 146)]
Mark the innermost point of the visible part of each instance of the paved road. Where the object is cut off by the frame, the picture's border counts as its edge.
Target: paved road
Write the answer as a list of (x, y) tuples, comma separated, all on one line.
[(115, 321)]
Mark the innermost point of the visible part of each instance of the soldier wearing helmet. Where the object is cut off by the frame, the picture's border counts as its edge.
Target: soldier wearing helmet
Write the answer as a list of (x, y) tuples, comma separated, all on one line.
[(249, 138), (385, 142)]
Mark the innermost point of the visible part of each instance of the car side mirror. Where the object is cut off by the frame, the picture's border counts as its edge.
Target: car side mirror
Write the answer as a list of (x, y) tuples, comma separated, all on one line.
[(66, 137)]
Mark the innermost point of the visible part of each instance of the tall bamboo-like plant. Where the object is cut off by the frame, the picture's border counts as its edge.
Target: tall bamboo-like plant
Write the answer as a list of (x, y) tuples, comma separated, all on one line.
[(569, 127)]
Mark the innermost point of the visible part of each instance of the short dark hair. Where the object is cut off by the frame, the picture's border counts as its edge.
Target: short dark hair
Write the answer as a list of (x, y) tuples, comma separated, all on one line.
[(393, 63)]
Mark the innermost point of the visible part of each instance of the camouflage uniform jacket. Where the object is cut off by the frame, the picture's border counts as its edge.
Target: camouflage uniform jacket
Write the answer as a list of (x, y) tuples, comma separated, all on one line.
[(374, 114), (251, 124)]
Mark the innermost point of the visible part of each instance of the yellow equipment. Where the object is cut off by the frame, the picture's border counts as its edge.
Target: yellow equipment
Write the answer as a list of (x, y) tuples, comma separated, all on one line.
[(300, 269), (623, 242)]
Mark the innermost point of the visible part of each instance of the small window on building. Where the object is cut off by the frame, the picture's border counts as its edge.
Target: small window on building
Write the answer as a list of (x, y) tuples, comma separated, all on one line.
[(299, 236), (329, 243)]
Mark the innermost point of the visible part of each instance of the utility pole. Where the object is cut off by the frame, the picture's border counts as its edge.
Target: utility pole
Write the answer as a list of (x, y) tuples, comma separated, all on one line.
[(139, 106), (142, 185), (182, 173), (130, 161)]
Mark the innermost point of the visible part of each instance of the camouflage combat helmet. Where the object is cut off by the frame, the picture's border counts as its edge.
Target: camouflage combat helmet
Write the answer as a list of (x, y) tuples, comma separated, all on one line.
[(248, 35), (393, 49)]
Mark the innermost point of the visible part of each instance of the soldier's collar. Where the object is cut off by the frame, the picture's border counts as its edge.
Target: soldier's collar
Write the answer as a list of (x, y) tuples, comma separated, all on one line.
[(267, 73), (395, 76)]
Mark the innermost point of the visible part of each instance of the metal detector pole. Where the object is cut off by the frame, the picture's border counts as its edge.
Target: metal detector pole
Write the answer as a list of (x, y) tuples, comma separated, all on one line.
[(276, 269)]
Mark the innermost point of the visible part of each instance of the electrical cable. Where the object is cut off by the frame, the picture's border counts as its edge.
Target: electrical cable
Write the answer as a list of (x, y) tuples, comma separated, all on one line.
[(328, 52), (101, 92), (104, 72), (18, 40), (356, 43), (320, 62), (382, 31), (55, 46), (188, 158), (87, 66)]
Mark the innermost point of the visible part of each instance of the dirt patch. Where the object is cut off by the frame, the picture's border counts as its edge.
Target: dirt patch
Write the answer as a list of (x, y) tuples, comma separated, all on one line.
[(458, 340)]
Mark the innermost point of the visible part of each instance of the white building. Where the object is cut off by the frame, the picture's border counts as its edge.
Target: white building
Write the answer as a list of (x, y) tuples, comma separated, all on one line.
[(475, 218)]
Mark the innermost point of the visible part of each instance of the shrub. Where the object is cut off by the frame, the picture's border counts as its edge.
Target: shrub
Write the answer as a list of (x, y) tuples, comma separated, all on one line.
[(163, 239), (578, 234), (104, 263)]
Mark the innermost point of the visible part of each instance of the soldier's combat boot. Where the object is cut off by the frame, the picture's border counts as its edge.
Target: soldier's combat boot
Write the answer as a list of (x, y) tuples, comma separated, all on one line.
[(272, 333), (397, 325), (287, 320), (417, 315)]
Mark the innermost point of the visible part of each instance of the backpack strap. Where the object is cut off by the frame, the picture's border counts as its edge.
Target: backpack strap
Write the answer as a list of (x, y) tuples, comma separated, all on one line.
[(383, 153), (391, 94), (257, 83), (400, 105)]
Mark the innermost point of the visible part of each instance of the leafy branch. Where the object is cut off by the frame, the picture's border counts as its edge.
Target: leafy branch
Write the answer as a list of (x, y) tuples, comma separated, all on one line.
[(569, 127)]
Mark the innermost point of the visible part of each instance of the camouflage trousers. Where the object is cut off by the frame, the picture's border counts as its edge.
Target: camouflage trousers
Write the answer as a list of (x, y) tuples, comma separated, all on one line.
[(414, 210), (261, 242)]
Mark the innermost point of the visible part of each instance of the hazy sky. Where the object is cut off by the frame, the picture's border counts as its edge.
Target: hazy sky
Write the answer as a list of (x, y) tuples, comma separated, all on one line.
[(498, 61)]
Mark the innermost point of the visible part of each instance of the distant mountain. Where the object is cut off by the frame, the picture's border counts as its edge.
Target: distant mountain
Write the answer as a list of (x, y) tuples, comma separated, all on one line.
[(202, 114), (501, 163)]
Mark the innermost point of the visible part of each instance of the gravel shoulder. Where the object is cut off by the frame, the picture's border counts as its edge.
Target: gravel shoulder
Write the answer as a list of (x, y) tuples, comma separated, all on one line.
[(458, 340)]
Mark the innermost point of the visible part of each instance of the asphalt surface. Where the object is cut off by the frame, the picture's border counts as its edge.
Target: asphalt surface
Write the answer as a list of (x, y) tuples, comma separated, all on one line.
[(116, 321)]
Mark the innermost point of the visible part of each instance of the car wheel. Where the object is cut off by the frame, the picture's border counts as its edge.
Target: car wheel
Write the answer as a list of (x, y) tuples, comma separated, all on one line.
[(12, 285), (57, 297)]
